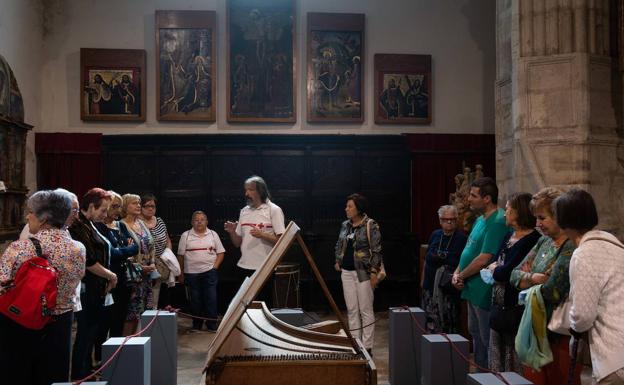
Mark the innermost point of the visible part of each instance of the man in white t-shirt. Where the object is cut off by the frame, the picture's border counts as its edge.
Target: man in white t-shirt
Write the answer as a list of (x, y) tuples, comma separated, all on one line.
[(259, 226), (201, 253)]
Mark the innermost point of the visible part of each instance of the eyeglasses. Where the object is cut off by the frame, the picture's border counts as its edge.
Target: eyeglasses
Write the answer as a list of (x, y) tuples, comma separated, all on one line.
[(448, 220), (115, 206), (149, 206)]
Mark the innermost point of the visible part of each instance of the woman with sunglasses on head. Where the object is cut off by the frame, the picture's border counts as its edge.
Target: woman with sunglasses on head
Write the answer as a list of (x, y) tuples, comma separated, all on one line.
[(122, 248), (441, 302)]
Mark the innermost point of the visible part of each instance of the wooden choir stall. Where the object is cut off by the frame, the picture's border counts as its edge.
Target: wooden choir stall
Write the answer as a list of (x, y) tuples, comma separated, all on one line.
[(254, 347)]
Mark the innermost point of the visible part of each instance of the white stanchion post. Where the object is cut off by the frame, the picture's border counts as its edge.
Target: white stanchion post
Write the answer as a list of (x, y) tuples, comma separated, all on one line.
[(133, 363), (441, 364), (404, 345), (164, 334)]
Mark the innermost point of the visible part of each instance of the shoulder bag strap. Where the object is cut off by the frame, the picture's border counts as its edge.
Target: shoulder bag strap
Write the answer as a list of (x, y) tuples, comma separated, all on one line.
[(186, 241), (37, 246), (554, 260), (370, 249)]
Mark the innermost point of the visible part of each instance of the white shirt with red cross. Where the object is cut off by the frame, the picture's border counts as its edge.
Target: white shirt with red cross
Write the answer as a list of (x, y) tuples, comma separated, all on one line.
[(268, 217)]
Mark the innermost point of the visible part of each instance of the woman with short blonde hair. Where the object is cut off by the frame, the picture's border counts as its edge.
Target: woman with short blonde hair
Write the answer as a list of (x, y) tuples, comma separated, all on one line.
[(141, 293), (547, 265)]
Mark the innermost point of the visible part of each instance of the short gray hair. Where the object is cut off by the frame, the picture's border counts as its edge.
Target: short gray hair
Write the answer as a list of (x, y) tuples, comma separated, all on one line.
[(198, 212), (72, 196), (51, 207), (446, 208)]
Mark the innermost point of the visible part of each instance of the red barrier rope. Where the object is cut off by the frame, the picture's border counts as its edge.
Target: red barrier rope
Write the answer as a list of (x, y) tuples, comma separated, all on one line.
[(169, 308), (104, 365), (172, 309)]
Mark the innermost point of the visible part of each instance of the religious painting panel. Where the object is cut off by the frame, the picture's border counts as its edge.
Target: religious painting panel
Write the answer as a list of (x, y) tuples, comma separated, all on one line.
[(186, 66), (112, 84), (261, 61), (335, 84), (402, 89)]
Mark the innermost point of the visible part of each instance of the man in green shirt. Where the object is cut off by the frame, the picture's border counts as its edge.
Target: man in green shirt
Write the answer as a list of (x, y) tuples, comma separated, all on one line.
[(487, 233)]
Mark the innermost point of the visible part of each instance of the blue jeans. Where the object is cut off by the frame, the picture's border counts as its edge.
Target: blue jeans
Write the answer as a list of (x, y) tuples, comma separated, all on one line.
[(203, 291), (479, 328)]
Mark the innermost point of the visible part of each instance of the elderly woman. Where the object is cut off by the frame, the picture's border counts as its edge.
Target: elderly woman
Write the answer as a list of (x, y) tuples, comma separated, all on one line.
[(158, 229), (42, 356), (140, 294), (596, 281), (358, 259), (98, 280), (547, 265), (440, 303), (201, 253), (505, 313), (25, 234), (122, 248)]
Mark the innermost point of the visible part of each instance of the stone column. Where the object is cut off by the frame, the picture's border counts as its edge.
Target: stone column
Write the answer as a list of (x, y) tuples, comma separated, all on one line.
[(557, 103)]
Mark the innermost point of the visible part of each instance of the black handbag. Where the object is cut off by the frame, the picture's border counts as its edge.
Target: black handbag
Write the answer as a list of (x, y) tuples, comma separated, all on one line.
[(445, 283), (506, 319), (134, 273)]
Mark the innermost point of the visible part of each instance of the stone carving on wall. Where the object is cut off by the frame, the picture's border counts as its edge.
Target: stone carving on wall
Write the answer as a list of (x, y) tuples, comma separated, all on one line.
[(13, 132), (11, 105), (459, 198)]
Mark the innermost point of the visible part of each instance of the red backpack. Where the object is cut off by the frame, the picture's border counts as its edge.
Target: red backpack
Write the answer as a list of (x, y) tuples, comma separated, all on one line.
[(31, 296)]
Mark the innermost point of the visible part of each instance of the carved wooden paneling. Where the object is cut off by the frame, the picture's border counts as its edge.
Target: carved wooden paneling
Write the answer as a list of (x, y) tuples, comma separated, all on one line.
[(334, 171), (309, 178), (181, 170), (230, 167), (132, 170)]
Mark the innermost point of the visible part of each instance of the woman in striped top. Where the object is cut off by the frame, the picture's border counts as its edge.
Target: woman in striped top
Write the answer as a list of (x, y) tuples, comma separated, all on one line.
[(162, 241)]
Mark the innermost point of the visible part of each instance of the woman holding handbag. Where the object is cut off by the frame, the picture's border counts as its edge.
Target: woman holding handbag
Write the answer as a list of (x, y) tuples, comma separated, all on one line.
[(547, 265), (505, 312), (596, 281), (141, 298), (358, 259), (442, 304)]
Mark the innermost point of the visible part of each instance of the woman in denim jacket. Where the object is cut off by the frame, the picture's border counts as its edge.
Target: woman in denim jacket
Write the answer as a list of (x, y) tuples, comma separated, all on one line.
[(359, 261)]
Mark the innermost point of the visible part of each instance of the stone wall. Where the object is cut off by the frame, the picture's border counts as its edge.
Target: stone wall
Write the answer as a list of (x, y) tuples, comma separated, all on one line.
[(557, 110)]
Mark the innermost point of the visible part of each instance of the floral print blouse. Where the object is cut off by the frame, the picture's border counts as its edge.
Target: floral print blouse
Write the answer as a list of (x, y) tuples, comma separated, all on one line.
[(64, 254), (546, 258), (144, 239)]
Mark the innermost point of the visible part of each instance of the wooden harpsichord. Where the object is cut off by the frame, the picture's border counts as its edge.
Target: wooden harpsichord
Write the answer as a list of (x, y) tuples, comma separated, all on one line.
[(253, 347)]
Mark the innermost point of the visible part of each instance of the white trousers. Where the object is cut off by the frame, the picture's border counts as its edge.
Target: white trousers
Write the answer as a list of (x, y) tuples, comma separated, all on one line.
[(359, 299)]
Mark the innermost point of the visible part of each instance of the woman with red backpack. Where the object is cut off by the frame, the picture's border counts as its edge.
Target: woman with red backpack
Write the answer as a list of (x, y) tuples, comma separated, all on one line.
[(41, 356)]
